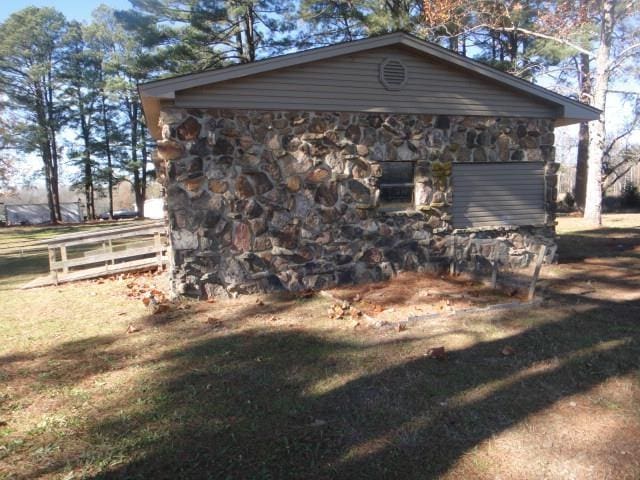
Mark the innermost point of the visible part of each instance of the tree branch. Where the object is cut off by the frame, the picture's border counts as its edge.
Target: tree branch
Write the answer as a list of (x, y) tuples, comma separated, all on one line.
[(622, 56), (550, 37)]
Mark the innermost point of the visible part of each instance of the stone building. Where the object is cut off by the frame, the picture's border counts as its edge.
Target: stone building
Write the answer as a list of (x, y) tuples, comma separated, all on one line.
[(350, 163)]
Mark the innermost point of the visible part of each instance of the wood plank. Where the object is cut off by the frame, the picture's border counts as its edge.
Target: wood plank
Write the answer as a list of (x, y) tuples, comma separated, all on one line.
[(105, 257), (63, 259), (102, 233), (104, 270), (539, 259), (113, 236)]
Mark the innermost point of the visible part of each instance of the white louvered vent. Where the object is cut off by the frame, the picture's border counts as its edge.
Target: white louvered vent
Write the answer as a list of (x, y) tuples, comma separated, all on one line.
[(393, 74)]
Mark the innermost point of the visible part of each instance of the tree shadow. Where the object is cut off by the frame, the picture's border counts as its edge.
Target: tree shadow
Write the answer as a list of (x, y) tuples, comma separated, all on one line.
[(602, 243), (291, 403)]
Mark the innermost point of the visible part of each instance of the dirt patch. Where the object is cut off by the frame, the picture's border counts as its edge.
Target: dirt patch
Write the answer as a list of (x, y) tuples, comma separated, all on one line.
[(415, 294)]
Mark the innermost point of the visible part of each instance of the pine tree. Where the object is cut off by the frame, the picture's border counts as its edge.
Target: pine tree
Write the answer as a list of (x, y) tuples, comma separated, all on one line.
[(31, 49)]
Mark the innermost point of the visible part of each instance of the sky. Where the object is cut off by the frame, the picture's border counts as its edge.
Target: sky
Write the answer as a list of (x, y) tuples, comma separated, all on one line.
[(72, 9)]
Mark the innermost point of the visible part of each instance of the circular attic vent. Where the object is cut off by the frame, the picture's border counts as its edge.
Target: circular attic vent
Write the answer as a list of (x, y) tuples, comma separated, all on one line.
[(393, 74)]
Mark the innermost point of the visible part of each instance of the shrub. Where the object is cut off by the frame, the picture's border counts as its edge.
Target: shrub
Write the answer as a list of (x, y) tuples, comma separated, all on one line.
[(630, 197), (569, 200)]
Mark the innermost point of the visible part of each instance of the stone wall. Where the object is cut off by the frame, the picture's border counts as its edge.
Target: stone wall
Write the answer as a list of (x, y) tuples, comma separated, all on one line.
[(263, 201)]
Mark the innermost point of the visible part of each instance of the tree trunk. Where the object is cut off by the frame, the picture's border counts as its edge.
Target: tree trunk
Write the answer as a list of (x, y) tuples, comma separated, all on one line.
[(107, 141), (51, 124), (582, 166), (593, 204), (453, 43), (86, 160), (582, 160), (45, 149), (250, 34), (143, 168), (107, 144), (134, 125)]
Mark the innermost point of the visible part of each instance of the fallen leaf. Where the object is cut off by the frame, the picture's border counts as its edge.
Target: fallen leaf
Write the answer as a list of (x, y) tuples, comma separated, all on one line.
[(132, 328), (215, 322), (162, 308), (508, 351), (439, 353)]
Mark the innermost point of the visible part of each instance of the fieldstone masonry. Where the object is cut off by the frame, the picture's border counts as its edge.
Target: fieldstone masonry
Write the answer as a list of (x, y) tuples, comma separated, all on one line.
[(262, 201)]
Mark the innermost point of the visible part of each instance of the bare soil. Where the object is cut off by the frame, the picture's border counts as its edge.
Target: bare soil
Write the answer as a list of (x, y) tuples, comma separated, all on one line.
[(414, 294)]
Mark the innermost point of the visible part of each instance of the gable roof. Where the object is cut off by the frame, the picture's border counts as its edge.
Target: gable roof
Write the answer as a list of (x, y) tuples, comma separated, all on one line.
[(153, 93)]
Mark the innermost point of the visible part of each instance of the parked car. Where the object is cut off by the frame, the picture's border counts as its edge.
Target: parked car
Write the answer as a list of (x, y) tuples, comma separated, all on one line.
[(119, 214)]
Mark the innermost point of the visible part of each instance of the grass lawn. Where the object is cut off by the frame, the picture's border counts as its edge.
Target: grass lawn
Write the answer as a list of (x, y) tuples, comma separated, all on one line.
[(272, 388)]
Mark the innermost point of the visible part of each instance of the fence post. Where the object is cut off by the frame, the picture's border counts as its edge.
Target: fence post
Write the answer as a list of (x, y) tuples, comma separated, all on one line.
[(52, 258), (63, 256), (536, 272), (157, 242)]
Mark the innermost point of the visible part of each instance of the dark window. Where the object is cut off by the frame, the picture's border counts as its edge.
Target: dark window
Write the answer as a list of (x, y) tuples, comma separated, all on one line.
[(396, 185)]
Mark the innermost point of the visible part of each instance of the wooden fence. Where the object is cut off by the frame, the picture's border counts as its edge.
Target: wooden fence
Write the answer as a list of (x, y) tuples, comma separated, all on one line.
[(567, 179), (84, 255)]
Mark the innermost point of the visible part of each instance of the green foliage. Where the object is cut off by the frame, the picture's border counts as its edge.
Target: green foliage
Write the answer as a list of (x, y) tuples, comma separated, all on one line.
[(31, 45), (192, 35), (330, 21), (569, 200)]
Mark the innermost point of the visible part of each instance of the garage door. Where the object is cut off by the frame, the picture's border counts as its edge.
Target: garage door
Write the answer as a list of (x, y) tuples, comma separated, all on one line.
[(498, 194)]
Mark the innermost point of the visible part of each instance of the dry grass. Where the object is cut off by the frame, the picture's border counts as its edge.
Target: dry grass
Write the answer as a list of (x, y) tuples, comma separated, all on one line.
[(274, 389)]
